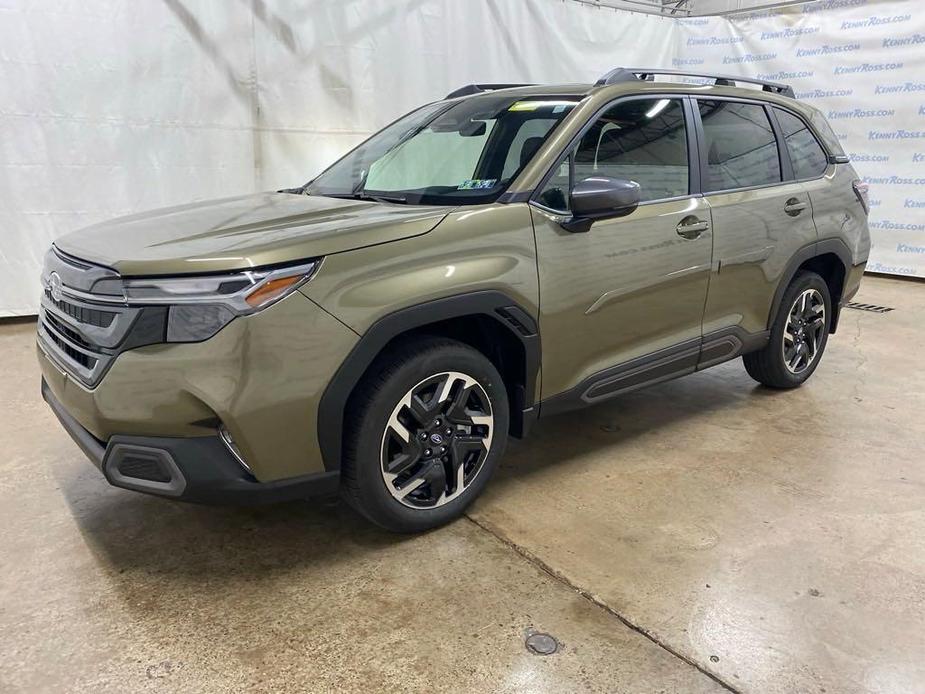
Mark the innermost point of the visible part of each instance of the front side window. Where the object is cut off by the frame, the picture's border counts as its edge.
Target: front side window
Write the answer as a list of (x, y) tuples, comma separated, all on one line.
[(447, 153), (740, 145), (806, 154), (642, 140)]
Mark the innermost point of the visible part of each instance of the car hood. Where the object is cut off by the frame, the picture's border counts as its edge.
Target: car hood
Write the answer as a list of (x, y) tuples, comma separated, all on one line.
[(244, 232)]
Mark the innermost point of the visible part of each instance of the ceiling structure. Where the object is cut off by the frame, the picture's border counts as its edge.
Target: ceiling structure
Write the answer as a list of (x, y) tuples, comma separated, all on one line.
[(693, 8)]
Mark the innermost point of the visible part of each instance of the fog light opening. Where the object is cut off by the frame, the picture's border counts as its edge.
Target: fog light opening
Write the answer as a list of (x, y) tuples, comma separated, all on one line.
[(228, 440)]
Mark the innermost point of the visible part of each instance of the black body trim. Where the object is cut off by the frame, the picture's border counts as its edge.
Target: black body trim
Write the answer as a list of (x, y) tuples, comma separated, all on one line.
[(808, 252), (198, 469), (493, 304), (783, 152), (664, 365), (728, 343), (92, 447), (646, 370)]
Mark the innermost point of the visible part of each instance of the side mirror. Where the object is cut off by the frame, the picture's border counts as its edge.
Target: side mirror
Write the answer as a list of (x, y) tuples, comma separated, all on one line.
[(601, 197)]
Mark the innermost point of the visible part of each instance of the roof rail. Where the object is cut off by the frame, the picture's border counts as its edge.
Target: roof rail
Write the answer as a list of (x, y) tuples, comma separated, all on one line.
[(479, 88), (633, 74)]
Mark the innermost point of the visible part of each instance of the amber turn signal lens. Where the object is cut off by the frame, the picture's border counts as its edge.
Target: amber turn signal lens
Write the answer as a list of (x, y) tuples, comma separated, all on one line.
[(272, 289)]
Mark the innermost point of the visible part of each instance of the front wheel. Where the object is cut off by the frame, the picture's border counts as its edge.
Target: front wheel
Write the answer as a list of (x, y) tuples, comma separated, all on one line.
[(424, 434), (798, 336)]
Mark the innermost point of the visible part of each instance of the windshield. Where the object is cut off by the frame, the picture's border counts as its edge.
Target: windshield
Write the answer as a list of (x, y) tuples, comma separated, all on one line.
[(447, 153)]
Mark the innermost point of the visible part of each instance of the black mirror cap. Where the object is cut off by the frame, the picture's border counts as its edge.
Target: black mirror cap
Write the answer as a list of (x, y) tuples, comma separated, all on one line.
[(601, 197)]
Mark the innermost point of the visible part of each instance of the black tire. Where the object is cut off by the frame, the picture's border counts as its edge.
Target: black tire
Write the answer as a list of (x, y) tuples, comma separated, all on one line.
[(394, 375), (768, 366)]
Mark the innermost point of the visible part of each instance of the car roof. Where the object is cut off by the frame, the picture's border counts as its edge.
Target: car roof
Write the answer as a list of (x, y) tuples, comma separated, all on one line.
[(639, 87), (608, 92)]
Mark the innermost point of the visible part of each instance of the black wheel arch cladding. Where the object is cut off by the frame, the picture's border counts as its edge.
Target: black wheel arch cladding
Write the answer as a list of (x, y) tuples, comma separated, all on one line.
[(498, 309), (803, 259)]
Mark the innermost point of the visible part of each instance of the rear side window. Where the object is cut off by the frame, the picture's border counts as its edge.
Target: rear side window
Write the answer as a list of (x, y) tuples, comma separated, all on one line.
[(808, 158), (740, 146)]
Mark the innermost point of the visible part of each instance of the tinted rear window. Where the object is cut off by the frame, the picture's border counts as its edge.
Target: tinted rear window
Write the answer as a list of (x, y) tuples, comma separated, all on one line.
[(806, 154), (740, 143)]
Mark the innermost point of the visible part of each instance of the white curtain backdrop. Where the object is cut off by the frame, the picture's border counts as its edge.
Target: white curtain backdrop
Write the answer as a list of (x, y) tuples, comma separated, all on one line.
[(863, 64), (110, 107)]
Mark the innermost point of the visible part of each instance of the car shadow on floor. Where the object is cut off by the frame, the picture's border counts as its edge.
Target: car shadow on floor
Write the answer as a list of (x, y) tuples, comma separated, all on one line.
[(130, 531), (567, 440)]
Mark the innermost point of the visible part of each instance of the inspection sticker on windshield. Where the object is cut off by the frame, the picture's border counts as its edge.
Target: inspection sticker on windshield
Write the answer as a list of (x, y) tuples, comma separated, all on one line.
[(477, 184)]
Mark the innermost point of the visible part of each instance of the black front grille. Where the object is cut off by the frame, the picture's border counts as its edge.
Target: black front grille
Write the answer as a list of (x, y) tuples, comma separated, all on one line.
[(84, 332), (62, 329), (89, 316), (85, 360)]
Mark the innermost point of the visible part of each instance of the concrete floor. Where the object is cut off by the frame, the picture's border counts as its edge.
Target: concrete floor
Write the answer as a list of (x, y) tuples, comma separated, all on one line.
[(702, 535)]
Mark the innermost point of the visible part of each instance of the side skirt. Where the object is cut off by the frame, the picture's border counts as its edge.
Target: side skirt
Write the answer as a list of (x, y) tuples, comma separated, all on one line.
[(664, 365)]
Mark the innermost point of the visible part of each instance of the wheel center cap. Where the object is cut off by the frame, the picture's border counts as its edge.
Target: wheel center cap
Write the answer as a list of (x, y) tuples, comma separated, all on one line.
[(436, 439)]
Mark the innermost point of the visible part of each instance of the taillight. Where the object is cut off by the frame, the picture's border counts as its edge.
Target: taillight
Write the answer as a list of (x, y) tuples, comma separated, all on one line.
[(862, 190)]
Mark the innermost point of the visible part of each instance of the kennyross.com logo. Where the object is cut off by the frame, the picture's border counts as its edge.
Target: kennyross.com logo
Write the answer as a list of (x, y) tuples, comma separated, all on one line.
[(866, 67), (900, 134), (869, 157), (894, 181), (714, 40), (874, 21), (749, 58), (904, 88), (785, 75), (861, 113), (832, 5), (913, 40), (824, 93), (827, 50), (788, 33)]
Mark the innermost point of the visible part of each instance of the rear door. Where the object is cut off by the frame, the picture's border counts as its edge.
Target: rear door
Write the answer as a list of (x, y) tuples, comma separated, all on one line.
[(760, 216), (621, 304)]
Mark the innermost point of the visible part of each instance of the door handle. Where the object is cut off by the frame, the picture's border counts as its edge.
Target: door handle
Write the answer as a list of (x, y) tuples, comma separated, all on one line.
[(794, 207), (691, 228)]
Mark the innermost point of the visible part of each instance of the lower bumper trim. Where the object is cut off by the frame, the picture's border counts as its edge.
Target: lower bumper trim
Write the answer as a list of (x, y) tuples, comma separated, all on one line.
[(196, 469)]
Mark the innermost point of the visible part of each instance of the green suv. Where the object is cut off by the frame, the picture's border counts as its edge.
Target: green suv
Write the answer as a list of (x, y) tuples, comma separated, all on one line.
[(505, 254)]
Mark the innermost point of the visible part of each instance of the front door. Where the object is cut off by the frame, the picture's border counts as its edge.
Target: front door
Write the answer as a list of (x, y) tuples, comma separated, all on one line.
[(621, 305)]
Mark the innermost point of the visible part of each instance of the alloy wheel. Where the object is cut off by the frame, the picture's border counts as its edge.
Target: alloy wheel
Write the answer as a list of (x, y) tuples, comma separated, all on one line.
[(436, 440), (804, 331)]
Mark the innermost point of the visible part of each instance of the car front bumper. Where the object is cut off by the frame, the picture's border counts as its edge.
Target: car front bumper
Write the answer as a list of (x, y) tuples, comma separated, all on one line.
[(198, 468), (259, 379)]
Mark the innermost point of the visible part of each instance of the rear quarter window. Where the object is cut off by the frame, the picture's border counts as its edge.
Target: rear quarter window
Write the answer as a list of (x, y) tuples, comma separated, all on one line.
[(829, 138), (806, 154)]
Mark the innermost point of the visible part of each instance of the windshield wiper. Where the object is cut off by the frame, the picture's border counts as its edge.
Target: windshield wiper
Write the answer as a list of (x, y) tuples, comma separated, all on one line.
[(294, 191), (363, 195)]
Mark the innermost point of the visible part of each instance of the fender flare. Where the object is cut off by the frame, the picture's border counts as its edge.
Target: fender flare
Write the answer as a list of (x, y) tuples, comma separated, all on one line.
[(493, 304), (813, 250)]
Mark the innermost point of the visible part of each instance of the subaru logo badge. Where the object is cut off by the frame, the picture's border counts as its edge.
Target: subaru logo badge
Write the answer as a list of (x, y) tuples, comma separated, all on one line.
[(54, 286)]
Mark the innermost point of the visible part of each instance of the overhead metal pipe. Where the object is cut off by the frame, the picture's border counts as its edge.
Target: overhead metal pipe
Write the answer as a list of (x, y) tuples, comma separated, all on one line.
[(753, 8), (662, 9)]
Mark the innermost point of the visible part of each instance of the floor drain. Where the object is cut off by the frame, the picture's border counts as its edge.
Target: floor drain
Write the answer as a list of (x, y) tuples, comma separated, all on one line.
[(541, 644), (868, 307)]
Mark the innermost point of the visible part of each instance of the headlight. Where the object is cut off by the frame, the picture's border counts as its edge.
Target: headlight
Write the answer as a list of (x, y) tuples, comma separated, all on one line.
[(201, 306)]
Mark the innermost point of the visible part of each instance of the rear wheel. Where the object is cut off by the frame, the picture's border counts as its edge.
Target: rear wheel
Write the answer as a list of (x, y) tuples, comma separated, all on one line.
[(798, 336), (424, 434)]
